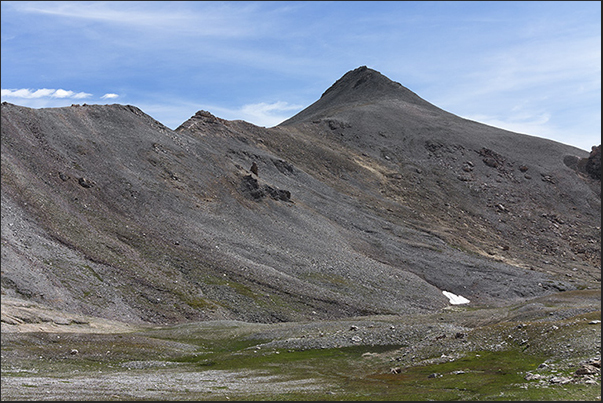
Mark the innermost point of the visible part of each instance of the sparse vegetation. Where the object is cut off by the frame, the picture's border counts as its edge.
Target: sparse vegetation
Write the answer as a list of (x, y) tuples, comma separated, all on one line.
[(247, 361)]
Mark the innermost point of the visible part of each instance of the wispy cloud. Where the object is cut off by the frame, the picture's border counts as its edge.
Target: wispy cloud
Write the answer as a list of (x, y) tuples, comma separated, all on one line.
[(526, 124), (538, 86), (201, 19), (110, 96), (26, 93), (173, 114), (268, 114), (260, 114)]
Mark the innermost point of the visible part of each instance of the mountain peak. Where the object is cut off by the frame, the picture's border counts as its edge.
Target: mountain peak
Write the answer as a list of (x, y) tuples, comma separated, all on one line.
[(359, 86), (363, 80)]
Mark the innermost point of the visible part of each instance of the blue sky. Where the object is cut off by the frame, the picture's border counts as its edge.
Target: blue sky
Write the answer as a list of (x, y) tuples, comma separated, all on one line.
[(532, 67)]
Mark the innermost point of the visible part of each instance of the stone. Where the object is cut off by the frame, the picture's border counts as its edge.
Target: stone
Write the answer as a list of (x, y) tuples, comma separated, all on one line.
[(532, 377), (562, 380), (254, 168), (587, 369), (86, 183)]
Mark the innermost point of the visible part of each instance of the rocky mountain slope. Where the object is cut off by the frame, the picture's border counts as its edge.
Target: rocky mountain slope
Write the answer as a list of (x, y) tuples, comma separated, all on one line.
[(370, 201)]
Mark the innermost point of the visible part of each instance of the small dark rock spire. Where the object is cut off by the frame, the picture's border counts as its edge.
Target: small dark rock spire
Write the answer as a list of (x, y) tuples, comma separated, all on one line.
[(254, 168)]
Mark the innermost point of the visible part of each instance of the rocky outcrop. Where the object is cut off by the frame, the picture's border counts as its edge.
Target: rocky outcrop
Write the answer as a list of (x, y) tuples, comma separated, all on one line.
[(589, 166), (252, 189), (592, 165)]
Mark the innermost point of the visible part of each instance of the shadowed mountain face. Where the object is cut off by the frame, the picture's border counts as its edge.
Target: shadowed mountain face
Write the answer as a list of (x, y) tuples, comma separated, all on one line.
[(369, 201)]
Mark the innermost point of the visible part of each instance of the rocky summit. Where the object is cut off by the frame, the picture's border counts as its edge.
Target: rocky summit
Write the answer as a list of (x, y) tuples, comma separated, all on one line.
[(371, 201)]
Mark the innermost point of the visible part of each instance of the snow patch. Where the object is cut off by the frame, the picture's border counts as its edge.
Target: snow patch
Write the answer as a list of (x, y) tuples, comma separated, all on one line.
[(455, 299)]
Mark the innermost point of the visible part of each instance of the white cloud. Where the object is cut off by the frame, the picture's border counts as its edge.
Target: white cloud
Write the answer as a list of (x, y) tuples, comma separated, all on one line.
[(536, 124), (540, 125), (110, 96), (265, 114), (264, 108), (172, 114), (70, 94), (25, 93)]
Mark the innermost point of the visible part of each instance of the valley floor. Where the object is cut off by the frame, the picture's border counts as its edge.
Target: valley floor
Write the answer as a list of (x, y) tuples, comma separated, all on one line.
[(543, 349)]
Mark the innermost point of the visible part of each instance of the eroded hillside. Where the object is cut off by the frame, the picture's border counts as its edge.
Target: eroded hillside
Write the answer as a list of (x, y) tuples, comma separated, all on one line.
[(370, 201)]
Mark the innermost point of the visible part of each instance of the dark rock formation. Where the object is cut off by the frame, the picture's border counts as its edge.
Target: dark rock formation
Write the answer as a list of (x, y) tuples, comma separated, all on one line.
[(252, 188), (254, 168), (593, 163)]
